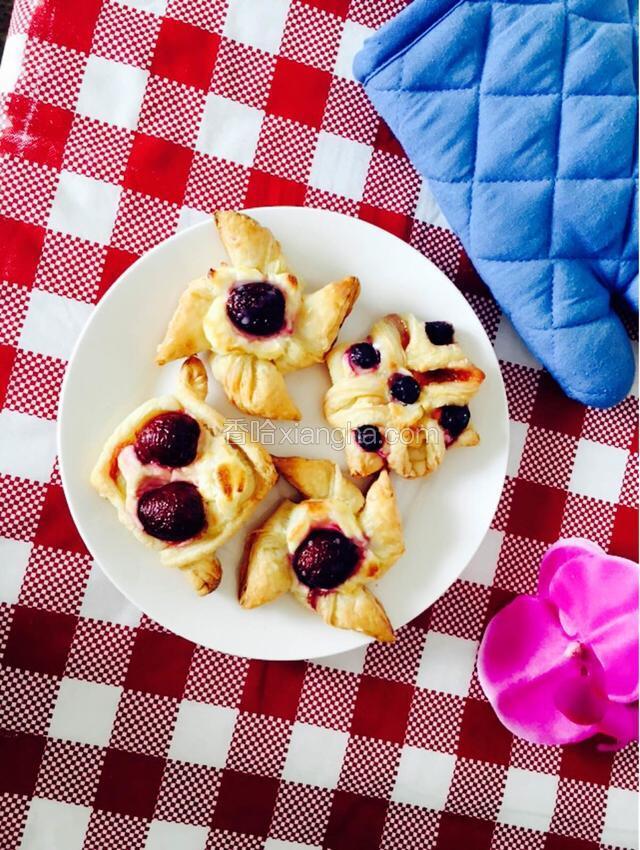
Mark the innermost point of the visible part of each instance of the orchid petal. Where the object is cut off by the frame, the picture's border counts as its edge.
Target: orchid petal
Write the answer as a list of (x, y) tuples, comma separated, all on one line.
[(556, 555), (597, 601), (582, 696), (535, 676), (620, 723)]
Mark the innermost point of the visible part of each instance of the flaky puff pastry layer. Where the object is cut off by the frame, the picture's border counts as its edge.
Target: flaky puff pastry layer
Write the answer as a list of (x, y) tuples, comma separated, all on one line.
[(414, 442), (232, 473), (331, 501), (251, 368)]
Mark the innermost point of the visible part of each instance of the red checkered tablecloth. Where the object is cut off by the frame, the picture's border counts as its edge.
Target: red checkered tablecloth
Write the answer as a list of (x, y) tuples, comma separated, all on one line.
[(125, 120)]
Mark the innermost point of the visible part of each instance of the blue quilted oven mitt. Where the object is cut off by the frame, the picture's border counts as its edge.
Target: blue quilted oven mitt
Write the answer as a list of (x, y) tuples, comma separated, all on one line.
[(522, 116)]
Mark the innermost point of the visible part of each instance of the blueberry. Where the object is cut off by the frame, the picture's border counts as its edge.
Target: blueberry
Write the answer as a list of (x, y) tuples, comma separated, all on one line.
[(369, 438), (439, 333), (325, 558), (173, 512), (364, 356), (256, 308), (170, 439), (404, 388), (454, 419)]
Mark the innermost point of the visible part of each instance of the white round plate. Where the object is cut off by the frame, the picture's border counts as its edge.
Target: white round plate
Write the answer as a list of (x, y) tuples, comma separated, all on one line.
[(112, 370)]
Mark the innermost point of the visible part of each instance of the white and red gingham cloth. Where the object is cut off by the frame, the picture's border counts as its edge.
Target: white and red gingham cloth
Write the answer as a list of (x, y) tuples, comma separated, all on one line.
[(125, 120)]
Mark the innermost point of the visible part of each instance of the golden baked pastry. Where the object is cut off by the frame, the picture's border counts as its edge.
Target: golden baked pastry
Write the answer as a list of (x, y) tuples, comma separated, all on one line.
[(401, 396), (327, 548), (254, 318), (180, 480)]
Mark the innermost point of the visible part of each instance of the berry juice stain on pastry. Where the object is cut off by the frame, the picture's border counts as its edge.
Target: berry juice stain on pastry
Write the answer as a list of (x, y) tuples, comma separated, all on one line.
[(443, 376), (326, 549), (179, 481), (416, 399), (255, 319), (400, 325)]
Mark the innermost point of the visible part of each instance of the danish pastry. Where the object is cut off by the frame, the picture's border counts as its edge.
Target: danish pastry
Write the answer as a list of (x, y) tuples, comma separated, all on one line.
[(254, 318), (401, 396), (327, 548), (180, 480)]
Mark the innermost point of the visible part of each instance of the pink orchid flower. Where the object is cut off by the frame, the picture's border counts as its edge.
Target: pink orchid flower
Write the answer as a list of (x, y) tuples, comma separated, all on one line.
[(563, 666)]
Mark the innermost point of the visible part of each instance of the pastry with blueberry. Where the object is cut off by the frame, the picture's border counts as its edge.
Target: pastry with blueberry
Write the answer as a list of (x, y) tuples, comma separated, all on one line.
[(180, 481), (402, 396), (326, 549), (255, 318)]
